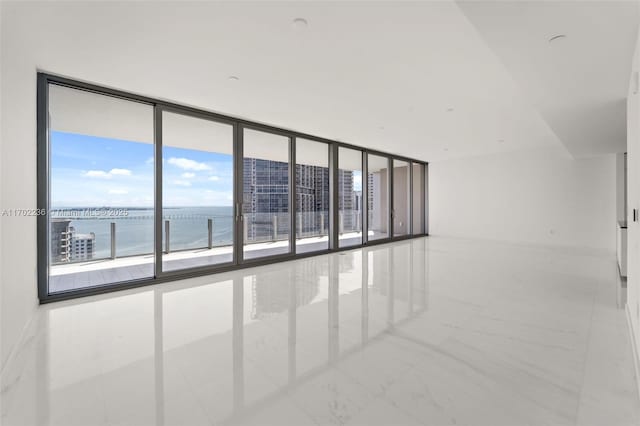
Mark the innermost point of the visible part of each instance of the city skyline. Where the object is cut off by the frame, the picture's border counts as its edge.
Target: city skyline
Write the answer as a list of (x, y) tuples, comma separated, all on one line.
[(191, 178)]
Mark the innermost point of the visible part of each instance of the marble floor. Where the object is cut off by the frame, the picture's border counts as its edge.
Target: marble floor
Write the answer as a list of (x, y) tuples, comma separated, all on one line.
[(431, 331)]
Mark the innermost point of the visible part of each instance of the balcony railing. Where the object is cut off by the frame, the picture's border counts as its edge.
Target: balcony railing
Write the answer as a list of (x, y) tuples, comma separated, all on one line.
[(208, 232)]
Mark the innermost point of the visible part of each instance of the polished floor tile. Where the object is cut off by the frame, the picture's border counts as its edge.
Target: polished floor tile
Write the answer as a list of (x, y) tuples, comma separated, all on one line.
[(431, 331)]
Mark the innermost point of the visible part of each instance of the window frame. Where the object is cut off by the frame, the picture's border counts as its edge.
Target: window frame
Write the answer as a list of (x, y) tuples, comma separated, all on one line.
[(158, 144), (389, 185), (409, 204), (295, 194), (44, 80)]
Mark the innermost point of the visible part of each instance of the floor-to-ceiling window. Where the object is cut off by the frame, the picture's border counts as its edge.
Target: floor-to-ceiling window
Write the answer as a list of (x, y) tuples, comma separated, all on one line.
[(349, 197), (197, 192), (101, 190), (312, 196), (265, 194), (418, 197), (377, 197), (426, 199), (134, 190), (401, 198)]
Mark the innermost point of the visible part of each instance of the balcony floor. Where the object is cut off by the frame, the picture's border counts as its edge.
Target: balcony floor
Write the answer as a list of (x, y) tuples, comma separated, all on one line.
[(73, 276)]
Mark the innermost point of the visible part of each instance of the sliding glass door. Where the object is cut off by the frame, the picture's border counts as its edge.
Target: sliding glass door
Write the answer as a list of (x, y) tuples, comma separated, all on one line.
[(266, 194), (377, 197), (418, 199), (401, 198), (134, 191), (99, 226), (197, 192), (312, 196), (349, 197)]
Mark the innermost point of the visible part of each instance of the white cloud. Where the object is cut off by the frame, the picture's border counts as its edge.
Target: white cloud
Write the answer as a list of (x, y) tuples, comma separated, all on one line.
[(182, 182), (118, 191), (120, 172), (150, 160), (186, 164), (98, 174), (214, 178), (101, 174), (188, 175), (357, 182)]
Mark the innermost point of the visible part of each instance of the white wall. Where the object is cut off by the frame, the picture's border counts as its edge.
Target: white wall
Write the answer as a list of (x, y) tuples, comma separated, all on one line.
[(17, 185), (633, 202), (540, 197), (2, 350)]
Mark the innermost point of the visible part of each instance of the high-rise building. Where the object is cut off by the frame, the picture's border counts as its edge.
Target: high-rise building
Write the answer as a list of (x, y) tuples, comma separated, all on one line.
[(67, 245), (372, 190), (312, 199), (60, 240), (347, 202), (266, 196), (82, 245)]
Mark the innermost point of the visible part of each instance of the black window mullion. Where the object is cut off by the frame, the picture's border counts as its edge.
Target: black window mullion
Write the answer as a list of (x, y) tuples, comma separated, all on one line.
[(292, 196), (157, 234)]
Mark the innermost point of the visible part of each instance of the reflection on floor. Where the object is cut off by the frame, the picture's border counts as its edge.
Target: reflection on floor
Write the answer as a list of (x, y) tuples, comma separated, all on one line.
[(428, 331)]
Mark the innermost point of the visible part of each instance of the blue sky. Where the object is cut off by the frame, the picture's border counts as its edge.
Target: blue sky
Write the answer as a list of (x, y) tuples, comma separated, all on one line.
[(357, 180), (89, 171)]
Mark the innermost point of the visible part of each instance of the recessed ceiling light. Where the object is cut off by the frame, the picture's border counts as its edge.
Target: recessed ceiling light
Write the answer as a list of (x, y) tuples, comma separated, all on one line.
[(446, 149), (299, 24), (381, 127), (450, 109), (500, 140), (233, 78), (557, 37)]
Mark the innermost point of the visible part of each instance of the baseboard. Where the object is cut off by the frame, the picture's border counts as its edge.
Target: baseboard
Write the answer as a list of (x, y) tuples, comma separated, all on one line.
[(596, 251), (634, 348)]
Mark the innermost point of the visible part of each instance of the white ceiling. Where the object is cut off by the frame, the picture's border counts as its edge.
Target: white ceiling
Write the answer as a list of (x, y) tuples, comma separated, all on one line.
[(578, 84), (376, 74)]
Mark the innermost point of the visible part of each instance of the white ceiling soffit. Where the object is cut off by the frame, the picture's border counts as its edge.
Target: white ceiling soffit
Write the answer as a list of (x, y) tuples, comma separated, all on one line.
[(312, 153), (411, 78), (578, 82), (265, 146), (376, 163), (77, 111), (349, 159), (187, 132)]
